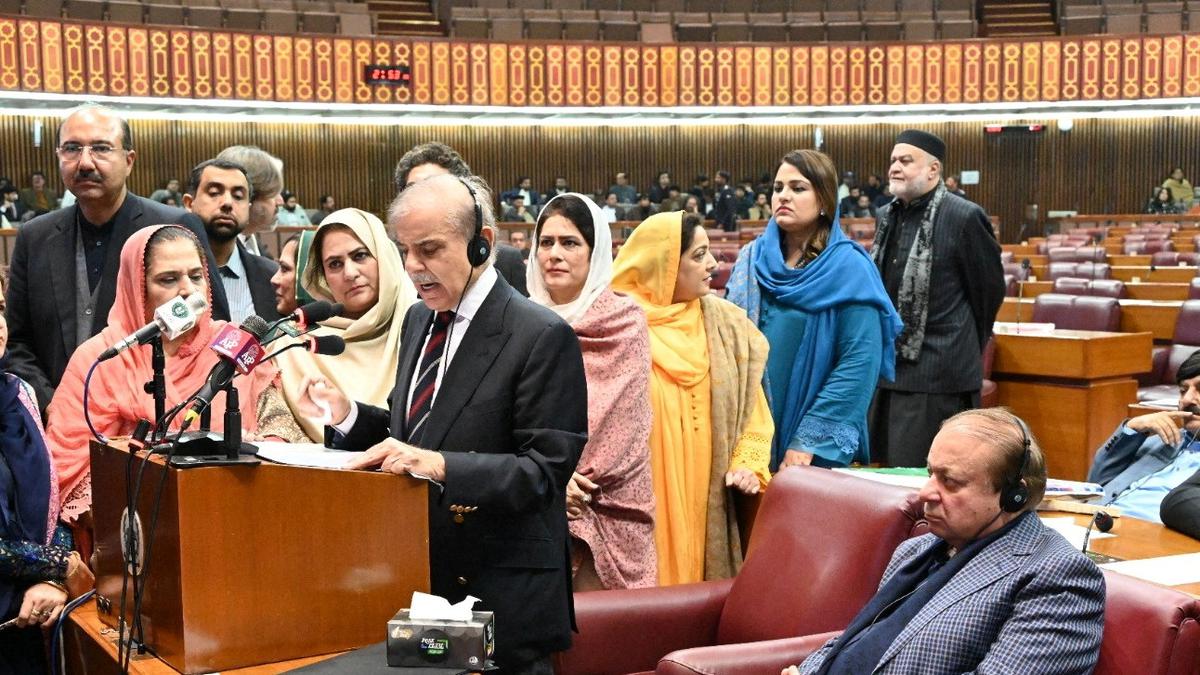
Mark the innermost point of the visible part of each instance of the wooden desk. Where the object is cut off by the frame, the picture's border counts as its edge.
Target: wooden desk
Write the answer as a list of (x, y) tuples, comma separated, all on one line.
[(1139, 260), (90, 648), (1156, 317), (1072, 387), (1138, 539), (1178, 275)]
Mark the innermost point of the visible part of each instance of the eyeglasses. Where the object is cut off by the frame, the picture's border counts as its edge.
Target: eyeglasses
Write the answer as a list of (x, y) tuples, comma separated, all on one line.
[(98, 150)]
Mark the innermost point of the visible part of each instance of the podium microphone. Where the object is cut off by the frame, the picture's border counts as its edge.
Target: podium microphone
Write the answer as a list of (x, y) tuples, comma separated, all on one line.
[(240, 350), (172, 319), (1101, 521)]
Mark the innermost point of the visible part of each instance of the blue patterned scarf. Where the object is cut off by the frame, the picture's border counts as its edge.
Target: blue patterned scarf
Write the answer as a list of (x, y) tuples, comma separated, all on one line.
[(842, 274)]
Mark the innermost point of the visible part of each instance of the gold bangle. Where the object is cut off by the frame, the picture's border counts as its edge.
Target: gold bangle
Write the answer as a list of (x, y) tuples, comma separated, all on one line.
[(57, 584)]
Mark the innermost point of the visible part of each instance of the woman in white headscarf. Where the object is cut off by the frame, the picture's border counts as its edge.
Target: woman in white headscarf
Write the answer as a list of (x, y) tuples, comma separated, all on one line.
[(610, 499), (352, 261)]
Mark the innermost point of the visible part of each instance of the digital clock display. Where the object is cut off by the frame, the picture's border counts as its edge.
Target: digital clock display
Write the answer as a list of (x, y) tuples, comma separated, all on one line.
[(396, 76)]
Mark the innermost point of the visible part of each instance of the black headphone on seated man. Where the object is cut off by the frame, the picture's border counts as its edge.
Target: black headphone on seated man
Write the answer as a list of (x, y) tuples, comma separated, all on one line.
[(478, 248), (1014, 496)]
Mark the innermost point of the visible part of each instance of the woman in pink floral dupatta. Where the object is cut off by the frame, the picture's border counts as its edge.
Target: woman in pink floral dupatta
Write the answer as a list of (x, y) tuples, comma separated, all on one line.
[(610, 499)]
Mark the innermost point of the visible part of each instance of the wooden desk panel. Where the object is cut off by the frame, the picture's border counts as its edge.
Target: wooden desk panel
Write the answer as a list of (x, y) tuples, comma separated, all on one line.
[(1137, 316), (1178, 275), (1157, 291), (1123, 260), (1073, 354)]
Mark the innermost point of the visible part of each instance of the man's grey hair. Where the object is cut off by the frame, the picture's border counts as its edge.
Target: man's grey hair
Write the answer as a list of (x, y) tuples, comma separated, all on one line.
[(450, 192), (264, 170)]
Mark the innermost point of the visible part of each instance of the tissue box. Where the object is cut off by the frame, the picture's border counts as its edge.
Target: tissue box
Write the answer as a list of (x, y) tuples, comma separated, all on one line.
[(433, 643)]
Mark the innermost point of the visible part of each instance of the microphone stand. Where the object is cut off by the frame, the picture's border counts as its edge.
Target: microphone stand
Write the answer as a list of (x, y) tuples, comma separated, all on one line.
[(207, 448), (157, 386)]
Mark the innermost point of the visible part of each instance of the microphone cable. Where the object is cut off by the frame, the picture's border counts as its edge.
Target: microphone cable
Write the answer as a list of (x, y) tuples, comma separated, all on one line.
[(87, 413)]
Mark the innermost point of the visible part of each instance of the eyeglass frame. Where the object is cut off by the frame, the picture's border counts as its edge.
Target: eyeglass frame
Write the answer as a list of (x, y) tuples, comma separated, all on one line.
[(68, 153)]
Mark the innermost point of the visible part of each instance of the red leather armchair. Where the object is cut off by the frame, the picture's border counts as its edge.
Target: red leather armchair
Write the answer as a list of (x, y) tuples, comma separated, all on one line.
[(1159, 383), (819, 546), (1078, 312), (1148, 629)]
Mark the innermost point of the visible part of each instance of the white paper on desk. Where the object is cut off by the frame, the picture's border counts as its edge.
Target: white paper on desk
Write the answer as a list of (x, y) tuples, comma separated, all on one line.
[(305, 454), (426, 607), (1171, 570), (1071, 532)]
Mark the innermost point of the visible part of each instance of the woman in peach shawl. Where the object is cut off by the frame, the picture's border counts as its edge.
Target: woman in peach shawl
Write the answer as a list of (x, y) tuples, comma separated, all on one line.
[(712, 426), (157, 264), (610, 499)]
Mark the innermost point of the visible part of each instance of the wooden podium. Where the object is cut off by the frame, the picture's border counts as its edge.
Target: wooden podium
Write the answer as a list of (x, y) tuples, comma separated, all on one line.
[(264, 563), (1072, 387)]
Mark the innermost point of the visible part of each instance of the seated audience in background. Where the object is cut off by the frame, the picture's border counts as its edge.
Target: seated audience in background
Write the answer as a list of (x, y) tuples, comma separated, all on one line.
[(433, 159), (158, 263), (761, 210), (38, 197), (36, 560), (325, 206), (52, 305), (352, 261), (10, 206), (518, 212), (1181, 507), (610, 498), (524, 188), (848, 181), (724, 209), (742, 202), (284, 280), (849, 202), (703, 192), (1162, 202), (1149, 455), (862, 208), (1181, 189), (885, 197), (661, 188), (219, 195), (610, 211), (990, 588), (290, 212), (640, 211), (712, 425), (520, 241), (169, 190), (817, 297), (560, 188), (692, 205), (954, 188), (265, 172), (626, 193), (673, 201), (874, 187)]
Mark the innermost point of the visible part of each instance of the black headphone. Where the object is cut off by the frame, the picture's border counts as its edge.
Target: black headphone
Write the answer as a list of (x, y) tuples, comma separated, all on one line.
[(1015, 494), (478, 248)]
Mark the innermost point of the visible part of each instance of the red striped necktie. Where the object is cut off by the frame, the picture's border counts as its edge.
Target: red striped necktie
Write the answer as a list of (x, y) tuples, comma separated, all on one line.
[(427, 372)]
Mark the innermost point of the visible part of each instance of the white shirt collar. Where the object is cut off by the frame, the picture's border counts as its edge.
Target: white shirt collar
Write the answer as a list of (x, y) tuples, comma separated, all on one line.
[(235, 264), (477, 293)]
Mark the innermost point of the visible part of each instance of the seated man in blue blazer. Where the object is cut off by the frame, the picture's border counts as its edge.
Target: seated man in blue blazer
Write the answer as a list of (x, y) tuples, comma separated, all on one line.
[(990, 589), (1149, 455), (490, 405)]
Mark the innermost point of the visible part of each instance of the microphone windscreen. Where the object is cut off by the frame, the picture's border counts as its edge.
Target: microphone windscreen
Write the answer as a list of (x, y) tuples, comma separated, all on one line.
[(1104, 522), (256, 326), (329, 345), (318, 311)]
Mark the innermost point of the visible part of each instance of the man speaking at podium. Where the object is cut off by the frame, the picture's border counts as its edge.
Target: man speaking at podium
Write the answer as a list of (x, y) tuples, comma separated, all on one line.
[(490, 405)]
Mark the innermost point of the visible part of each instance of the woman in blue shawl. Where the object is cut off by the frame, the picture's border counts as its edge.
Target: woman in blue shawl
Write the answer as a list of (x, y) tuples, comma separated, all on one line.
[(818, 298), (35, 551)]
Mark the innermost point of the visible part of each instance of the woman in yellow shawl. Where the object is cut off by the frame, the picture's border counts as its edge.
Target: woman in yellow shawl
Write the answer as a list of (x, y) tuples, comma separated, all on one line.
[(712, 426), (352, 261)]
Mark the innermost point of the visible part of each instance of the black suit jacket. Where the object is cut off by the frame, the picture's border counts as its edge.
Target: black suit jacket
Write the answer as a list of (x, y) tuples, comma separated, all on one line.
[(510, 418), (259, 270), (41, 287)]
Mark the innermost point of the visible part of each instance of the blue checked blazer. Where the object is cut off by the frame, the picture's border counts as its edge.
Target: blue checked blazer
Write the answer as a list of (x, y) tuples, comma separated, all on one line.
[(1028, 603)]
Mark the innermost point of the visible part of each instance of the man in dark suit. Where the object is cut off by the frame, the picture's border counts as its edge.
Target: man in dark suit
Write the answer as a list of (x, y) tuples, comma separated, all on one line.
[(940, 263), (490, 405), (219, 194), (62, 277)]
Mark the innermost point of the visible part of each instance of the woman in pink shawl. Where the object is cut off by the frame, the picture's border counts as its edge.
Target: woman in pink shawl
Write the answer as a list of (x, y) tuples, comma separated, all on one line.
[(610, 499), (157, 264)]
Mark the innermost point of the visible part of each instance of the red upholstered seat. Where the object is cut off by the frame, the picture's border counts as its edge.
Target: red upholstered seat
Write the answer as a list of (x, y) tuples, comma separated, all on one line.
[(1172, 258), (1147, 629), (1159, 383), (1077, 312), (1104, 288), (812, 527)]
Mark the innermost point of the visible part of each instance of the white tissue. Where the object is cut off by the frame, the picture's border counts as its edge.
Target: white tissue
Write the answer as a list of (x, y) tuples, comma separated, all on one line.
[(326, 415), (427, 607)]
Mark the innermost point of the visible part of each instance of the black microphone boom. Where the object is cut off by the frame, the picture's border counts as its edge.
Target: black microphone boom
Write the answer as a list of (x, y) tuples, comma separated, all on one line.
[(1101, 521)]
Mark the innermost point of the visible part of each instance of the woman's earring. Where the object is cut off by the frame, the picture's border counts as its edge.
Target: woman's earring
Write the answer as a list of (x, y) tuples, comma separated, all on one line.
[(822, 213)]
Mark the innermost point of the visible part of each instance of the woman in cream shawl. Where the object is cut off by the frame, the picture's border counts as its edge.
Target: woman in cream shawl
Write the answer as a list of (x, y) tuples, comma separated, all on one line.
[(610, 499), (712, 426), (376, 298)]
